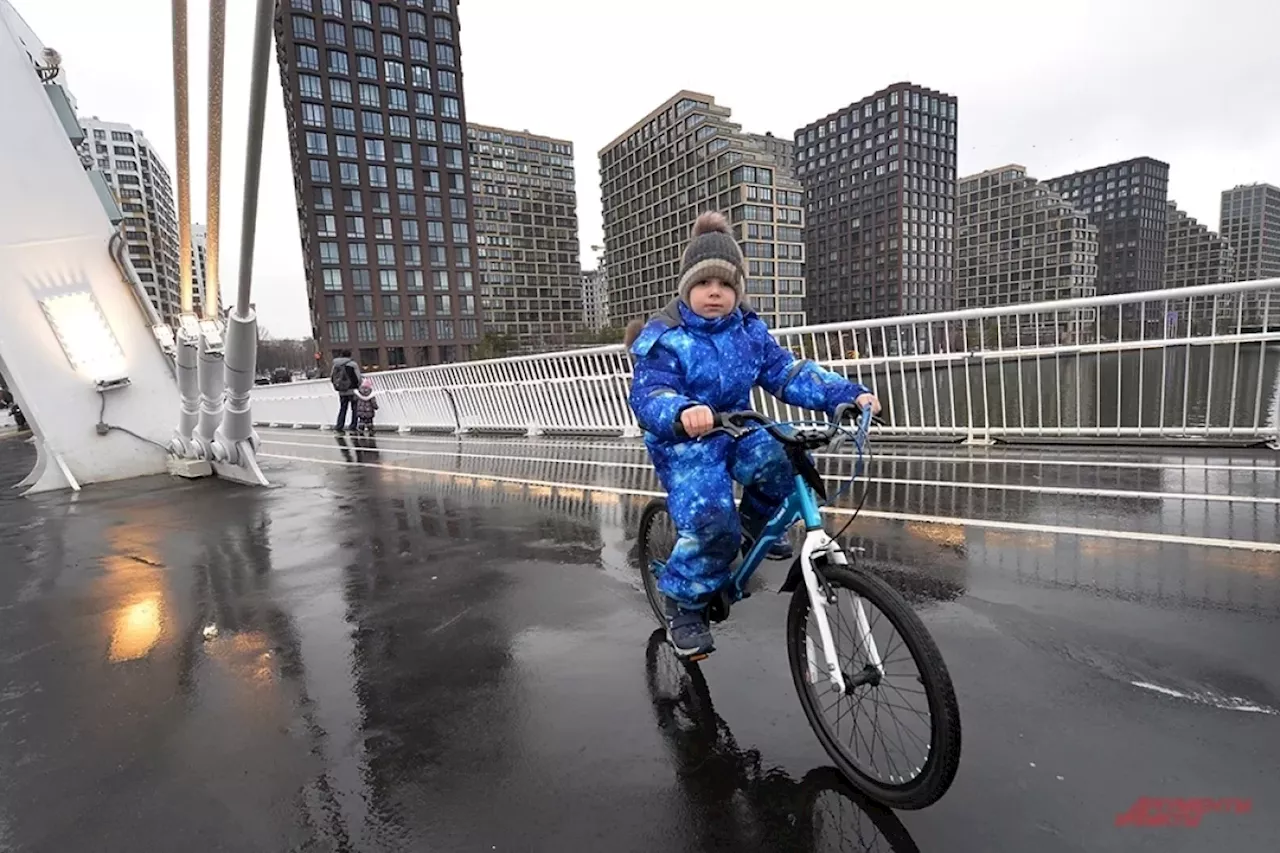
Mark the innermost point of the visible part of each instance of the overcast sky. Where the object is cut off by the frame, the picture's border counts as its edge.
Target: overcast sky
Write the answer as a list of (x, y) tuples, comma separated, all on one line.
[(1054, 86)]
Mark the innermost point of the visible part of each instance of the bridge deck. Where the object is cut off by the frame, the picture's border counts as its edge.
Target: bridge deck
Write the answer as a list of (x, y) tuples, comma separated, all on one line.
[(421, 643)]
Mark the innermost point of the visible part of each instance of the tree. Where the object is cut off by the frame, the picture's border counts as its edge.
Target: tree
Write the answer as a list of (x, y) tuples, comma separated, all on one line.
[(493, 345)]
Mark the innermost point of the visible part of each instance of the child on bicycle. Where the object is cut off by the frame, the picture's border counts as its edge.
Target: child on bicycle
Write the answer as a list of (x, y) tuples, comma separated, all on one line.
[(703, 354)]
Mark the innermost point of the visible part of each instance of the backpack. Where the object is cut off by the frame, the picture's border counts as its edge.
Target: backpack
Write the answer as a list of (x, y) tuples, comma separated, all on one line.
[(343, 377)]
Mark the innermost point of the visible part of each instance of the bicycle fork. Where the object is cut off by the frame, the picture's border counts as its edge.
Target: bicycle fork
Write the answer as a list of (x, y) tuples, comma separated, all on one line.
[(818, 542)]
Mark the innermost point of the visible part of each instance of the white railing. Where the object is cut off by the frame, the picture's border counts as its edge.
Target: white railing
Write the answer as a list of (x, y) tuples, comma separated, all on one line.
[(1188, 363)]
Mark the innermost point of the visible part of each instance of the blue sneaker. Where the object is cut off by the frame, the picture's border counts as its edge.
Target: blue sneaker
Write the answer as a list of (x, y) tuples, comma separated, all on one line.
[(687, 630), (781, 550)]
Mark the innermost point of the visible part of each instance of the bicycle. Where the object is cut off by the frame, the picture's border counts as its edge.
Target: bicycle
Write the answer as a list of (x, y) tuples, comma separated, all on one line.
[(821, 569)]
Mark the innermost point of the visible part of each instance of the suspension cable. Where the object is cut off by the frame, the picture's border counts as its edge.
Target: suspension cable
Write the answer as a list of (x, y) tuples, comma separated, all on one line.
[(217, 40), (183, 143), (253, 151)]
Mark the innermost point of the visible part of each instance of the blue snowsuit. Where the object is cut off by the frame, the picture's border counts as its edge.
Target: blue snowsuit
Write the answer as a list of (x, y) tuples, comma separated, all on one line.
[(683, 360)]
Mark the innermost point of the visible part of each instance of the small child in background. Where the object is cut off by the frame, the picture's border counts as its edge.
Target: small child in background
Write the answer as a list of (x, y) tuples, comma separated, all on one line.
[(366, 406)]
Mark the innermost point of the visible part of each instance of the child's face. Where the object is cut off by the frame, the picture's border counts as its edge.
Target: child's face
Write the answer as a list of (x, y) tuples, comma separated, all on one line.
[(712, 298)]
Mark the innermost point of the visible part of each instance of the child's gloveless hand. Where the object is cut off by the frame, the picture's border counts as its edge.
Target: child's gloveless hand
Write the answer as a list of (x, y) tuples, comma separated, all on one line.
[(697, 420)]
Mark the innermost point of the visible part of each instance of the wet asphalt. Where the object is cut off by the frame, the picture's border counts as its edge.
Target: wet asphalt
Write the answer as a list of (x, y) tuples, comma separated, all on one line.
[(452, 652)]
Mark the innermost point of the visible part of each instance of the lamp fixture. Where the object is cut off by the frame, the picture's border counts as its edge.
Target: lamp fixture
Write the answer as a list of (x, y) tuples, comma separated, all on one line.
[(86, 338)]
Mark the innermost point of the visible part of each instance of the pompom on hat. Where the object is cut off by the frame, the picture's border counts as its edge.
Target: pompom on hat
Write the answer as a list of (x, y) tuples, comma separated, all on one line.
[(712, 253)]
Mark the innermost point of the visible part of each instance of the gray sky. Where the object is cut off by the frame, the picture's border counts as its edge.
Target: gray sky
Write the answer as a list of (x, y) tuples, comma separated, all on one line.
[(1054, 86)]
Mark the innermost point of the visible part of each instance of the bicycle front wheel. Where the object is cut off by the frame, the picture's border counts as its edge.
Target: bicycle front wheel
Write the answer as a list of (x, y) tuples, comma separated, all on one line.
[(655, 542), (896, 737)]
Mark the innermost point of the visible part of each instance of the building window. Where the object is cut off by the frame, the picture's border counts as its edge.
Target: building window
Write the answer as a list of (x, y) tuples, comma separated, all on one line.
[(332, 278), (413, 256), (447, 80), (390, 301), (467, 304), (377, 176), (444, 330), (361, 12), (458, 208), (366, 332), (440, 280), (369, 95), (460, 232), (445, 55), (453, 158), (428, 155), (335, 306), (444, 29), (408, 204), (386, 252), (443, 5), (371, 122), (404, 179), (390, 17), (355, 226), (387, 281), (457, 185), (349, 174), (464, 277), (317, 143), (332, 7), (357, 253), (421, 77), (451, 133), (449, 107), (340, 91), (304, 28), (323, 198), (326, 225), (346, 146), (304, 5), (308, 58), (339, 63), (398, 99), (426, 129), (436, 253), (329, 253), (468, 329), (309, 87), (392, 45), (394, 331), (343, 118), (337, 331), (417, 305), (444, 304), (435, 231), (320, 171), (399, 126), (382, 229), (381, 203), (413, 280), (335, 33), (375, 150), (393, 72)]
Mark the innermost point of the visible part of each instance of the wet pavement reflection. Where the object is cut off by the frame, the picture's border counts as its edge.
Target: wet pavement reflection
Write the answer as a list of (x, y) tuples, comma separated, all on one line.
[(374, 657)]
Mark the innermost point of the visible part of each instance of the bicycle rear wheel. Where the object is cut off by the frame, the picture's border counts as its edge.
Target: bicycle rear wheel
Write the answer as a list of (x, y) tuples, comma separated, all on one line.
[(904, 764), (655, 542)]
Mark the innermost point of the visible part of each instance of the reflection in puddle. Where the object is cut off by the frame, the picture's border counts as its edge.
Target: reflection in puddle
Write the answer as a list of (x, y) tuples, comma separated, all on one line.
[(137, 629)]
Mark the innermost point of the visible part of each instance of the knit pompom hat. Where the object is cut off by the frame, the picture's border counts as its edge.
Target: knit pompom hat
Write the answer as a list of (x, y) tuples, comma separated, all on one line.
[(712, 253)]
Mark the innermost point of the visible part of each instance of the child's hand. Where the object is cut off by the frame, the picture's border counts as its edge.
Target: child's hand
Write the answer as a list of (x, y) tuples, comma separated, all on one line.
[(865, 400), (697, 420)]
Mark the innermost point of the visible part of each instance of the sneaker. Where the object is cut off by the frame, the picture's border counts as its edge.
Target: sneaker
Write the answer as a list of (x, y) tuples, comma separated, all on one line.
[(781, 550), (687, 630)]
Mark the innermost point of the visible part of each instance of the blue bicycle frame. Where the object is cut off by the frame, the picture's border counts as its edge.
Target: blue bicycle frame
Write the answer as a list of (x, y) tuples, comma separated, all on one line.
[(800, 505)]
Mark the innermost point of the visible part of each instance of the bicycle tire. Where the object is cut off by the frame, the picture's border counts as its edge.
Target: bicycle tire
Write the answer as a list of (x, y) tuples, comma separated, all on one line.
[(652, 515), (943, 761)]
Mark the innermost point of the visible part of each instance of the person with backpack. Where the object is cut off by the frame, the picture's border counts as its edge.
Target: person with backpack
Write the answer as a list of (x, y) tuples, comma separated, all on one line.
[(345, 377)]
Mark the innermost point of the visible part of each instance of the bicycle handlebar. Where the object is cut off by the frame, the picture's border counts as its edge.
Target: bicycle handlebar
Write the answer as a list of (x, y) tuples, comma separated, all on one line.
[(737, 424)]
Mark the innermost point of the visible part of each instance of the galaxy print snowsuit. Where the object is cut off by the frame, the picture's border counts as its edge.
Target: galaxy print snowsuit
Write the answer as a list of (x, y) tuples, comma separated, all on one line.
[(682, 360)]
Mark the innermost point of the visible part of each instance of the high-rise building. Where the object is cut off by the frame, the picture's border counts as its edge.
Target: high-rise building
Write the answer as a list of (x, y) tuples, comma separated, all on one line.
[(1128, 203), (595, 299), (682, 159), (526, 215), (1195, 255), (783, 151), (199, 278), (1250, 222), (144, 191), (378, 133), (880, 182), (1019, 241)]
